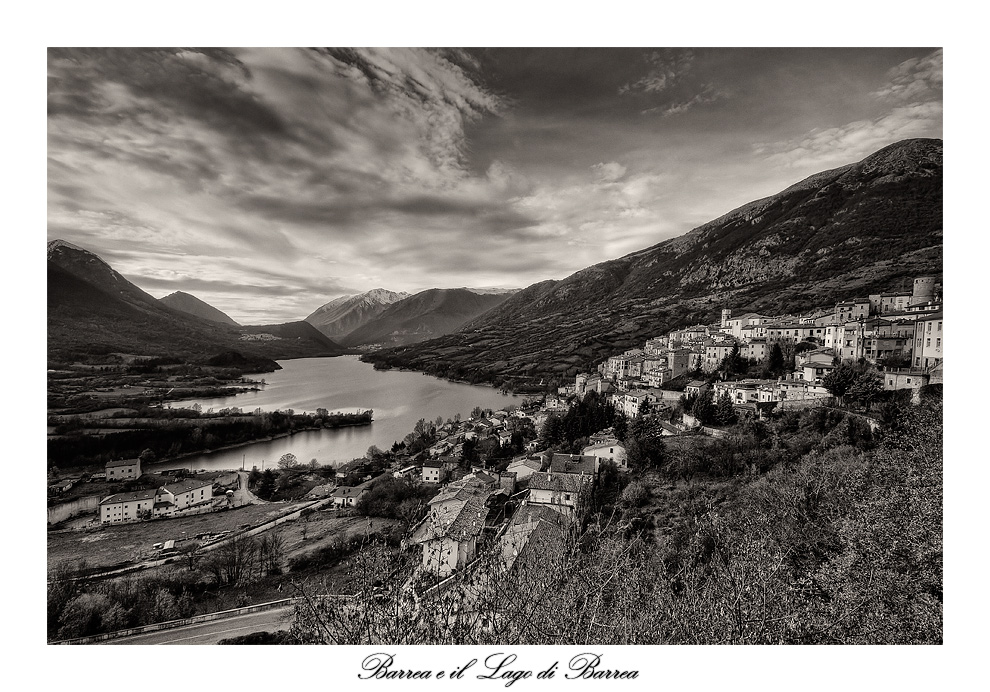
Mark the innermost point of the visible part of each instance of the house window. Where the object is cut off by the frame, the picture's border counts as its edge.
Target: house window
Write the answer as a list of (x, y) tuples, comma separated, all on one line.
[(940, 326), (909, 380), (928, 342), (938, 343)]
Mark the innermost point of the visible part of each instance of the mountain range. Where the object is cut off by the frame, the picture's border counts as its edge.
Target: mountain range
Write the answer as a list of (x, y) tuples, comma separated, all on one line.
[(93, 311), (343, 315), (863, 228)]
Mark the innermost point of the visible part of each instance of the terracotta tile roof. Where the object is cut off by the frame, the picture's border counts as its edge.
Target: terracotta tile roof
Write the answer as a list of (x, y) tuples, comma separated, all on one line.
[(534, 464), (572, 463), (346, 491), (461, 521), (561, 482), (536, 531), (460, 490), (485, 478)]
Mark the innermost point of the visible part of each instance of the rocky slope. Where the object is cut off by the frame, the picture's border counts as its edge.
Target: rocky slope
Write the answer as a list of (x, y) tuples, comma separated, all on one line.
[(841, 233), (343, 315)]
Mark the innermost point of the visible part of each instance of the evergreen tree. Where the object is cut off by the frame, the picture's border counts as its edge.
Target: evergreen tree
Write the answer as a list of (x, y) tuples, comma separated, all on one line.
[(644, 444), (725, 412), (266, 487), (775, 362), (620, 425), (704, 408), (839, 381), (867, 387)]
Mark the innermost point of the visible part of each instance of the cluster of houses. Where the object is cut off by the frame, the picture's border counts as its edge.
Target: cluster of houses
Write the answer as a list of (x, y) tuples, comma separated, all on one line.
[(547, 487), (177, 497), (173, 498), (903, 327), (464, 510)]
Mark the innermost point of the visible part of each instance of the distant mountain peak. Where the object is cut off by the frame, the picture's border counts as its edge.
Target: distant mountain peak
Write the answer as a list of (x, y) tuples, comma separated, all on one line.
[(190, 304), (491, 290), (55, 246), (344, 314), (427, 314), (58, 242)]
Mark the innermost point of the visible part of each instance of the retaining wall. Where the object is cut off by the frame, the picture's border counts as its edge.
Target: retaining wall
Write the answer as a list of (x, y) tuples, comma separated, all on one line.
[(72, 508)]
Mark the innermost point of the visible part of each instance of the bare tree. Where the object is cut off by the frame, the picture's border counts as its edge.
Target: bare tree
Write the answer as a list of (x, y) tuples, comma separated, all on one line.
[(271, 552), (233, 561)]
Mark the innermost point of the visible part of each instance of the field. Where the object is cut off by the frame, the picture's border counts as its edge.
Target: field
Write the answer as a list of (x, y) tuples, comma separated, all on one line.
[(104, 546), (108, 546), (325, 525)]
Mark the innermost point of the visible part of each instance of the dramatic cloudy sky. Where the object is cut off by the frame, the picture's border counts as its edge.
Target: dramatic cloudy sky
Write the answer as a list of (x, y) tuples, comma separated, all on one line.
[(267, 182)]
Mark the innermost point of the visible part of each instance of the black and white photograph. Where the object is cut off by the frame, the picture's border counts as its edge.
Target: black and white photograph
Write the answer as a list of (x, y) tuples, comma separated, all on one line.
[(579, 347)]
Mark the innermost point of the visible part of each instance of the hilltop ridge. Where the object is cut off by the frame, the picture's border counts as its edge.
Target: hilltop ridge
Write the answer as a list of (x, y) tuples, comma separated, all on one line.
[(841, 233)]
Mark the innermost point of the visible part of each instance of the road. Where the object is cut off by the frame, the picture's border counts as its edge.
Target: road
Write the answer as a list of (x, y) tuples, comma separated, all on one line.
[(213, 632)]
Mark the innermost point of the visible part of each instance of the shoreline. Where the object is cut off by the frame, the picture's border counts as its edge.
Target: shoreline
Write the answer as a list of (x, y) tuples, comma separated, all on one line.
[(153, 467), (448, 379)]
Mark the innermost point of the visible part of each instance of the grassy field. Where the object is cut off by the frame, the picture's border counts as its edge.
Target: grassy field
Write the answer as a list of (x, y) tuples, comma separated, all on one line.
[(325, 525), (107, 546), (113, 545)]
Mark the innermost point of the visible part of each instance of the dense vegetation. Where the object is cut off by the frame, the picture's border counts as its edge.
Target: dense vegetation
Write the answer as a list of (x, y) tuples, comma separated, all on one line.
[(173, 432), (805, 529)]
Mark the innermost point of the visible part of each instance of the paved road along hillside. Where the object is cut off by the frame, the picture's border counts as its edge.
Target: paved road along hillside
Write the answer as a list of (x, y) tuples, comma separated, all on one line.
[(213, 632)]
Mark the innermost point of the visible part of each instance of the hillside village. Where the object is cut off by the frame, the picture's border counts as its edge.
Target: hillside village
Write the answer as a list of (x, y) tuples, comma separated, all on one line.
[(899, 334), (894, 339)]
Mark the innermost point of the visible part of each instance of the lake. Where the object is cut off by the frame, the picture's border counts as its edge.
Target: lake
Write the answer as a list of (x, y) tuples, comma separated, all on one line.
[(399, 400)]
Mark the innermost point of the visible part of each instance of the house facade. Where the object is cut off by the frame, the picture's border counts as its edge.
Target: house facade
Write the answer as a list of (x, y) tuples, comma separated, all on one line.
[(124, 507), (607, 450), (434, 472), (450, 531), (558, 491), (929, 341), (348, 496), (123, 469), (163, 502)]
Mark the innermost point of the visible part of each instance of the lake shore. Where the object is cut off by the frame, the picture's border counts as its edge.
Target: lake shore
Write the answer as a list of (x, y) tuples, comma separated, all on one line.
[(237, 445)]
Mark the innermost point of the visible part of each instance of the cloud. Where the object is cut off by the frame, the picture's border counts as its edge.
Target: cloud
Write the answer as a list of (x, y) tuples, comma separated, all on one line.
[(668, 79), (266, 181), (914, 79), (609, 172), (667, 68), (222, 155), (835, 146), (708, 94)]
